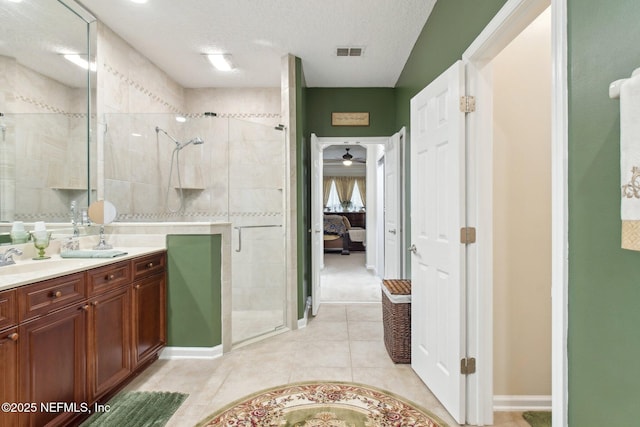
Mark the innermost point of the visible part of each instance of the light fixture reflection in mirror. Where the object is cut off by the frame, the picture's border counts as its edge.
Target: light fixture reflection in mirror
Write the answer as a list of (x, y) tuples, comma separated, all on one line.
[(102, 212)]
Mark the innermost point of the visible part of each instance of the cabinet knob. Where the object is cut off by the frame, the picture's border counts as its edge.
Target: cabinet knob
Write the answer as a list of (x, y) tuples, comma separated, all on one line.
[(109, 277), (85, 307), (11, 337), (95, 303), (57, 294), (137, 287), (150, 265)]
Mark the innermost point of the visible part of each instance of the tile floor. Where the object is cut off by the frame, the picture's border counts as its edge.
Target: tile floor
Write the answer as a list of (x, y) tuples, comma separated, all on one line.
[(344, 343)]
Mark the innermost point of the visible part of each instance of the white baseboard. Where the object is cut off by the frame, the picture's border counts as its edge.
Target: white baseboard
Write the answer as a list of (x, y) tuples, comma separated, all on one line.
[(191, 352), (522, 403)]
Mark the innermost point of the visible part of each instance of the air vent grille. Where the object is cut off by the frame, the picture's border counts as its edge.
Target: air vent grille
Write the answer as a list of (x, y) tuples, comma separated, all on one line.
[(349, 51)]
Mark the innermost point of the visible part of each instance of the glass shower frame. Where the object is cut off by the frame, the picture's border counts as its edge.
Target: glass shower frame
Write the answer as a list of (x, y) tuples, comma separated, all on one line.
[(237, 176)]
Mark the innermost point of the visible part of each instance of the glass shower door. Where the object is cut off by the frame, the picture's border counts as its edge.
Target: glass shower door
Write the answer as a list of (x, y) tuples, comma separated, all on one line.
[(256, 211)]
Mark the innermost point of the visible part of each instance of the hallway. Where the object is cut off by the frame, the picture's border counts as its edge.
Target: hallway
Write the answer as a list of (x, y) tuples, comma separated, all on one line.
[(345, 278), (343, 343)]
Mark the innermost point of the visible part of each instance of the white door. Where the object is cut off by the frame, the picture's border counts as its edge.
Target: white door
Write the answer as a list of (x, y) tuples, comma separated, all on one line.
[(316, 222), (437, 260), (392, 250)]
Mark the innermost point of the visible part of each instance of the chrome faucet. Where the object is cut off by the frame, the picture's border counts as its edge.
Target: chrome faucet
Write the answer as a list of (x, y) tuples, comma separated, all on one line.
[(7, 257), (74, 219)]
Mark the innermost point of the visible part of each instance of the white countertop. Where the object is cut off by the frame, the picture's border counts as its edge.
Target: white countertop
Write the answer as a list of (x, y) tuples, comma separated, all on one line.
[(26, 271)]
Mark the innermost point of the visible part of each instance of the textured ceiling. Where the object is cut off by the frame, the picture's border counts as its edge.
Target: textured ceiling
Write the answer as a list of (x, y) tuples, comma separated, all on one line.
[(174, 35), (335, 152), (36, 33)]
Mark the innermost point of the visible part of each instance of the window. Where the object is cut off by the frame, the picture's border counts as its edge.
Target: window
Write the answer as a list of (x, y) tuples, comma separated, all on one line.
[(334, 205)]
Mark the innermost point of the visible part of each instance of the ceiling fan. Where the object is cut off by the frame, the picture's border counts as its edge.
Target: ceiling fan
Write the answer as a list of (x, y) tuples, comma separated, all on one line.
[(348, 159)]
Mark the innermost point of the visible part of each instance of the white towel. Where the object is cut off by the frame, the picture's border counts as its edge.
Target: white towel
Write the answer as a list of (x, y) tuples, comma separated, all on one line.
[(630, 160)]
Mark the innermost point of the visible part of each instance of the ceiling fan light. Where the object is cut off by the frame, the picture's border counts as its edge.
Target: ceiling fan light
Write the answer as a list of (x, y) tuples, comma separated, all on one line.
[(346, 158)]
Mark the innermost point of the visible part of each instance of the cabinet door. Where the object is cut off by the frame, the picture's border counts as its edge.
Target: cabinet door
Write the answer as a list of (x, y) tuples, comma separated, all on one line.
[(149, 317), (109, 338), (52, 363), (8, 312), (9, 374)]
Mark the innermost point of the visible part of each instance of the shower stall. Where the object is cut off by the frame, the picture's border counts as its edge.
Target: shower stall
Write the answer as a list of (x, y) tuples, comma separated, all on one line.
[(205, 168)]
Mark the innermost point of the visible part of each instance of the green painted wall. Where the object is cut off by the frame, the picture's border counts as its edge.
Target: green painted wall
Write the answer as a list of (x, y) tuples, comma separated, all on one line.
[(194, 310), (379, 102), (450, 29), (314, 116), (604, 285)]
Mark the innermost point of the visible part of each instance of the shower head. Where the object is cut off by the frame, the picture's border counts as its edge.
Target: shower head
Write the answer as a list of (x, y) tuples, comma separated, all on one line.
[(195, 141)]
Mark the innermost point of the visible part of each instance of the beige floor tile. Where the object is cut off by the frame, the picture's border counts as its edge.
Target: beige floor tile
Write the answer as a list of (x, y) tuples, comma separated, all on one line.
[(321, 374), (332, 313), (364, 312), (365, 331), (315, 331), (370, 354), (324, 354)]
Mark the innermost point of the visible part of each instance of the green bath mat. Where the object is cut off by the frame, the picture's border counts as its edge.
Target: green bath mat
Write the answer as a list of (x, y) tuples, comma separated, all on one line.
[(138, 409), (538, 418)]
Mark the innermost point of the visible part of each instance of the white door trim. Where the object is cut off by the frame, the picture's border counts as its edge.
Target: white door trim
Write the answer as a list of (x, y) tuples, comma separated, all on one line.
[(509, 22), (320, 144)]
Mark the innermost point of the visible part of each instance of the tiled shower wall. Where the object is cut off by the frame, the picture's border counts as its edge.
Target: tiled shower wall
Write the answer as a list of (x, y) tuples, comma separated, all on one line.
[(43, 158), (237, 175)]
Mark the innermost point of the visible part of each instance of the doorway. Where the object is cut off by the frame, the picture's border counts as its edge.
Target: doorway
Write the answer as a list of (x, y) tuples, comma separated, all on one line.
[(345, 274), (506, 27), (372, 224), (476, 385)]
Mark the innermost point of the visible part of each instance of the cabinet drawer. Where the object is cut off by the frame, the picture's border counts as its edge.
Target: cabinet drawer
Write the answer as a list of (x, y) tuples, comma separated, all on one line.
[(109, 277), (49, 295), (8, 309), (148, 265)]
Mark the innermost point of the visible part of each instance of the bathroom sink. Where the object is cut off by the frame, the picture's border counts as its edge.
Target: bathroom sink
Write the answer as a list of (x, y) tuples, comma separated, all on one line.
[(34, 267)]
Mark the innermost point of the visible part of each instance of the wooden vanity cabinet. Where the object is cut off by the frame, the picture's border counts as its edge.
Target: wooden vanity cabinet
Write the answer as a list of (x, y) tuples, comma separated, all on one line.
[(8, 355), (8, 309), (9, 374), (77, 338), (109, 341), (52, 363), (149, 307)]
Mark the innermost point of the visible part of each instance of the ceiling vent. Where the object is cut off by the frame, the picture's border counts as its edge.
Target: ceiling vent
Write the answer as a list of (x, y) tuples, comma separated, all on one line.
[(349, 51)]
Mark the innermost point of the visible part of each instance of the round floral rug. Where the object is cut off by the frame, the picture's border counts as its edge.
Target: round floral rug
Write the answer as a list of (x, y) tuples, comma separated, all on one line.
[(323, 404)]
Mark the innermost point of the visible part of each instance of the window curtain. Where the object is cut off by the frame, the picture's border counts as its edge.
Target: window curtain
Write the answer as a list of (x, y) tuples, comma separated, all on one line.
[(344, 186), (362, 189), (326, 189)]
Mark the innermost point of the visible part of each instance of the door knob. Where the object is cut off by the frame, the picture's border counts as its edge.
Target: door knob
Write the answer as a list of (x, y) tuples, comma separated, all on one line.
[(413, 249)]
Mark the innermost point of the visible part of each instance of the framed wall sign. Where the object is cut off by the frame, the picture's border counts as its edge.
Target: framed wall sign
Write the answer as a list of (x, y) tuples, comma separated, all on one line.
[(349, 119)]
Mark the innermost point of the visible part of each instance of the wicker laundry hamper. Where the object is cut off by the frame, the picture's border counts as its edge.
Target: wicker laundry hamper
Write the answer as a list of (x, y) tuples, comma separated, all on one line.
[(396, 319)]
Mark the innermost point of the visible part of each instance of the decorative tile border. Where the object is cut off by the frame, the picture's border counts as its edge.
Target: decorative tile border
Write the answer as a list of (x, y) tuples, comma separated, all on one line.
[(188, 216), (141, 88), (50, 108)]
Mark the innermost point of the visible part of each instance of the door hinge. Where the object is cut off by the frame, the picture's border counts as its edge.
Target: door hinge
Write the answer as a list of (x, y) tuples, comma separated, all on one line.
[(468, 366), (467, 235), (467, 104)]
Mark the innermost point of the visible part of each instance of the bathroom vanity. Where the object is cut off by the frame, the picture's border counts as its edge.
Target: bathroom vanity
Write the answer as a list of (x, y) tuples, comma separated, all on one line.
[(72, 335)]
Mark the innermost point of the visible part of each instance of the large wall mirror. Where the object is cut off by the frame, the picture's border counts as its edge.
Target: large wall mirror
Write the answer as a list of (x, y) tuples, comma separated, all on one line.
[(47, 93)]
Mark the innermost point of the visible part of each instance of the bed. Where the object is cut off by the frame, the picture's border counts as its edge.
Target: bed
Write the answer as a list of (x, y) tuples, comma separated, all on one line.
[(340, 236)]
